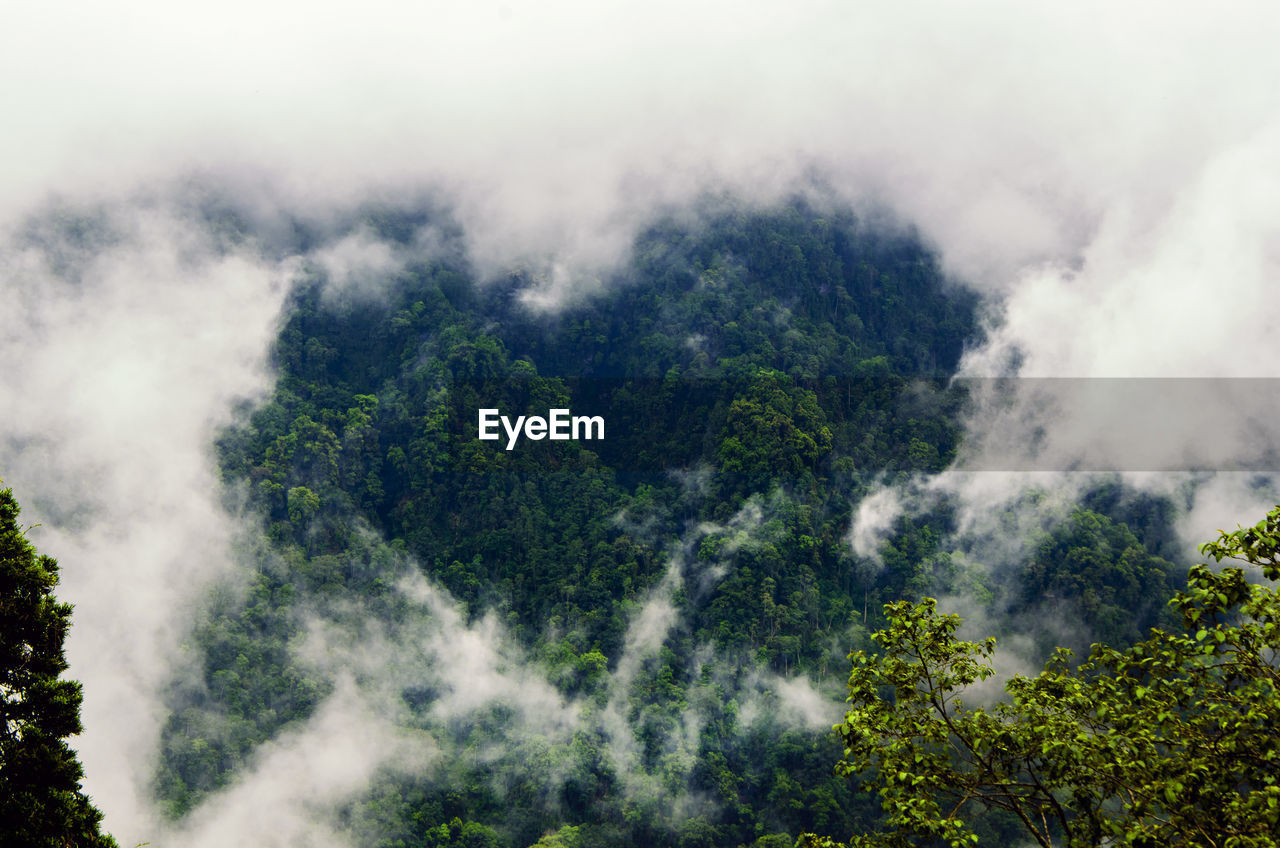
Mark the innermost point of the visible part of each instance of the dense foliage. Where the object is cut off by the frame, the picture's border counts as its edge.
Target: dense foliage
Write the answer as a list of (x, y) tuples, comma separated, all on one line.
[(1171, 741), (758, 373), (41, 804)]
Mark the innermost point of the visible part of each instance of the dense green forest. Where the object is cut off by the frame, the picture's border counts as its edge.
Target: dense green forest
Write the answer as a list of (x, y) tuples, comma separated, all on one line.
[(759, 372)]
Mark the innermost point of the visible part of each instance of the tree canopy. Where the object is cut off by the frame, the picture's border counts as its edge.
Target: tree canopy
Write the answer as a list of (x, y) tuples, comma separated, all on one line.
[(1173, 741), (41, 804)]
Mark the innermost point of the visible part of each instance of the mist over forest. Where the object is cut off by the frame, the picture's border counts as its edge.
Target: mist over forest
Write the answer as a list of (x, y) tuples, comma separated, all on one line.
[(876, 302)]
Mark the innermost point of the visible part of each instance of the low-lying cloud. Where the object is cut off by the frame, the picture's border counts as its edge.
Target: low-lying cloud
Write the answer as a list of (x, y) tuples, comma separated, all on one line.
[(1067, 136), (128, 338)]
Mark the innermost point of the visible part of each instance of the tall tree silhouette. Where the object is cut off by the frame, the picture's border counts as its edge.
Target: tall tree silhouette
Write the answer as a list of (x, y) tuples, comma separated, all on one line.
[(41, 803)]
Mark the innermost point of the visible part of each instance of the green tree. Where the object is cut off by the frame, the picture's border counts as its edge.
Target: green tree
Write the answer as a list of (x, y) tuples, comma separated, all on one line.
[(566, 837), (41, 804), (776, 430), (1175, 741)]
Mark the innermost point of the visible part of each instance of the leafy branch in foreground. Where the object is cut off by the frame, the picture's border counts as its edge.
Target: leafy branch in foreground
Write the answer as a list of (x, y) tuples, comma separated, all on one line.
[(1174, 741)]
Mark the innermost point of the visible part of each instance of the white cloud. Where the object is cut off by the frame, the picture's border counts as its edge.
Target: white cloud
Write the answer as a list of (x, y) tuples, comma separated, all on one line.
[(1010, 133), (285, 798), (873, 521), (118, 375)]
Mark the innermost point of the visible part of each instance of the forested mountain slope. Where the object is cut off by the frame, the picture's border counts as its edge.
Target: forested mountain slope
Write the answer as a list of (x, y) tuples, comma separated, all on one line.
[(684, 589)]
